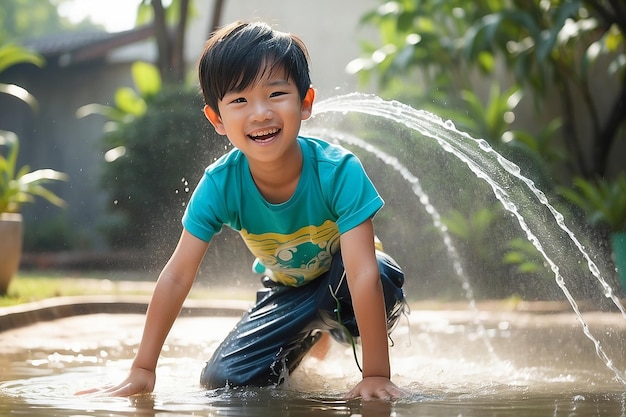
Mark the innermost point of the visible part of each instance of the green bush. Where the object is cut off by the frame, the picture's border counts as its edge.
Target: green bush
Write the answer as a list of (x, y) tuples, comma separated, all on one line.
[(160, 156)]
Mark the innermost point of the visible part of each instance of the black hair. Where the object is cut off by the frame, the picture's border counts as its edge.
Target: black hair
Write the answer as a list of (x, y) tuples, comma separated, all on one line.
[(239, 54)]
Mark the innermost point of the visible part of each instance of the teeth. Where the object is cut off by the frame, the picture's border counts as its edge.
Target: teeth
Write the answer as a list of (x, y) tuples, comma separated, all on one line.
[(264, 133)]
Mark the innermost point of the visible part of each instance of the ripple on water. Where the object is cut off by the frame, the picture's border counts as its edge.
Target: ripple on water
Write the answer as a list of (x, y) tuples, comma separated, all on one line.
[(438, 357)]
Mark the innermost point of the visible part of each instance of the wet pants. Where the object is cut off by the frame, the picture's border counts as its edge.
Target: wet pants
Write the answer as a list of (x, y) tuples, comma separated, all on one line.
[(274, 335)]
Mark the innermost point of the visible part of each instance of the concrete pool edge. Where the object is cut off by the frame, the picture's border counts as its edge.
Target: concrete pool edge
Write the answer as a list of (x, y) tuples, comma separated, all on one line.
[(22, 315)]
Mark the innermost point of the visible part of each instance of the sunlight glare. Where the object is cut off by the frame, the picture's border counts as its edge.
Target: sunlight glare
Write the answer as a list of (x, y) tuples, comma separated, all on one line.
[(114, 15)]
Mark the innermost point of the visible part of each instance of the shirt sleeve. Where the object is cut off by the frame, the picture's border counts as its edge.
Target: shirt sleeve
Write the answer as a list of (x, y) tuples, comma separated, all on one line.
[(353, 195), (201, 217)]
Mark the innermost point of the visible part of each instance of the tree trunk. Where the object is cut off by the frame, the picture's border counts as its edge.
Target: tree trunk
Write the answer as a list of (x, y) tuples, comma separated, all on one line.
[(608, 134), (216, 21), (163, 42), (178, 55)]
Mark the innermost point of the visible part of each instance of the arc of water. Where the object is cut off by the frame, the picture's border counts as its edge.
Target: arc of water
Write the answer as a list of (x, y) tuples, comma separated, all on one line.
[(431, 126), (406, 174)]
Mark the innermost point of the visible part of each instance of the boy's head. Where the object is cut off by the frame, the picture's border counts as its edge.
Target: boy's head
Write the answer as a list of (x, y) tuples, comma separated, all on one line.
[(239, 54)]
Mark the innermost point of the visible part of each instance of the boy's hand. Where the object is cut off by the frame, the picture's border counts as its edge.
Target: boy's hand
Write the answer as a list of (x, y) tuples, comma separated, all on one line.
[(138, 381), (376, 387)]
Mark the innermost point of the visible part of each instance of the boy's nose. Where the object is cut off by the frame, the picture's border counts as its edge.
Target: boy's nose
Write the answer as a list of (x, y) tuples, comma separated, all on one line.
[(260, 111)]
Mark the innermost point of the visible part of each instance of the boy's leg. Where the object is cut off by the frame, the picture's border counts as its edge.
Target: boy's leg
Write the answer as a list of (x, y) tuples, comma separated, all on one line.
[(273, 337), (268, 342)]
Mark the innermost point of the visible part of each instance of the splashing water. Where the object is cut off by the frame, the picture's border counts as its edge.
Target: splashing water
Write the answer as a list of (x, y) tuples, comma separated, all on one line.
[(444, 367), (504, 177), (430, 209)]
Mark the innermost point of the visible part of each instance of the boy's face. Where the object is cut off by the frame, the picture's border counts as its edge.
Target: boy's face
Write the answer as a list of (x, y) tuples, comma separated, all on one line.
[(264, 119)]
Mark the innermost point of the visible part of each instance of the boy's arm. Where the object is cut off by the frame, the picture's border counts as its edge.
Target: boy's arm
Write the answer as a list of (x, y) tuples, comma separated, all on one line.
[(359, 258), (170, 292)]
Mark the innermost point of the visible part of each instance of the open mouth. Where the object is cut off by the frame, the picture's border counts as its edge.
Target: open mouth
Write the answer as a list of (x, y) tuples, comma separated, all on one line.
[(264, 135)]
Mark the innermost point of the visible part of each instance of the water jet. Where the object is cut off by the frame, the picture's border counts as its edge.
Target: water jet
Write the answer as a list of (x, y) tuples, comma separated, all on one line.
[(554, 345)]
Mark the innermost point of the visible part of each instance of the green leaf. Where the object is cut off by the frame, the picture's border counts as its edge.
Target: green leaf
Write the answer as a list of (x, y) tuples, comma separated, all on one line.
[(487, 61), (40, 191), (41, 176), (10, 140), (146, 78), (613, 39), (604, 201), (144, 13), (17, 188), (457, 224), (513, 258), (127, 100), (528, 268), (109, 112), (11, 54), (21, 94)]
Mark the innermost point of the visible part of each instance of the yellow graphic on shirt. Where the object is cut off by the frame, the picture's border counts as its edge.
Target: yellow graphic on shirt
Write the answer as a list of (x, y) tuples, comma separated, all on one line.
[(296, 258)]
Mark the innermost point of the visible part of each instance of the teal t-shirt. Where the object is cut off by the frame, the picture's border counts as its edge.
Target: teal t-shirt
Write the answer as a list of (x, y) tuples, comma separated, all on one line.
[(297, 239)]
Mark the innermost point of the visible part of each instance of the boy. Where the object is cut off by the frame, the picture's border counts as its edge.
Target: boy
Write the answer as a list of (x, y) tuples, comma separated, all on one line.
[(304, 208)]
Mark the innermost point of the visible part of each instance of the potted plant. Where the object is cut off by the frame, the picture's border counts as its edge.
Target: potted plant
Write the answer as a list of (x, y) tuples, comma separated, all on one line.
[(604, 202), (18, 186)]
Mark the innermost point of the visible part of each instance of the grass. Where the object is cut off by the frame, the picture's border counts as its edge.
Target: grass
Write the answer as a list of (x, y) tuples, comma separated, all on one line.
[(30, 286)]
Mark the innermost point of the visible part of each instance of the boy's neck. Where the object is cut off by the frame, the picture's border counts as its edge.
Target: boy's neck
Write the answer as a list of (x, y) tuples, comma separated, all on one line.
[(278, 181)]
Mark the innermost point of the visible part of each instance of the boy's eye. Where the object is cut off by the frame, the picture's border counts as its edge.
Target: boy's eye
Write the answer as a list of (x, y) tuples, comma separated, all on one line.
[(277, 93), (239, 100)]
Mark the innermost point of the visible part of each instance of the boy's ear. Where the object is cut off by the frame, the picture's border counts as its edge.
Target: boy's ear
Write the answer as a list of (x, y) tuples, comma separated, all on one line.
[(307, 103), (215, 120)]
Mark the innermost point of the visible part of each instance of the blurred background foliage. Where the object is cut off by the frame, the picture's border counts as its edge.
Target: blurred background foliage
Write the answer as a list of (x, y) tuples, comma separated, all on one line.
[(439, 55), (522, 75), (21, 19)]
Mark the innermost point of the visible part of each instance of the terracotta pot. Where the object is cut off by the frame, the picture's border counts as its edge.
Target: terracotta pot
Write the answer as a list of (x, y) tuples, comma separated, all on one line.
[(10, 247)]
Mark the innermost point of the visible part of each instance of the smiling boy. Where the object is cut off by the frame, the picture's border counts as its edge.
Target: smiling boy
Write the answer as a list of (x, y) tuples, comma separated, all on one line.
[(303, 206)]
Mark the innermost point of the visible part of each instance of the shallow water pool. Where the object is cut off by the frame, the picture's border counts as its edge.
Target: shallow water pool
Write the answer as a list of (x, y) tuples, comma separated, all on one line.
[(505, 364)]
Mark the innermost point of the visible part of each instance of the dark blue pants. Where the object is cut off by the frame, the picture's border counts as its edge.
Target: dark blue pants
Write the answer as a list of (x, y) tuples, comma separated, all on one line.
[(274, 335)]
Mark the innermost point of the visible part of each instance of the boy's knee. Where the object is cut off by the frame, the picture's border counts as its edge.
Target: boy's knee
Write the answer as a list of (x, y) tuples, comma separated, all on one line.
[(217, 375), (210, 378)]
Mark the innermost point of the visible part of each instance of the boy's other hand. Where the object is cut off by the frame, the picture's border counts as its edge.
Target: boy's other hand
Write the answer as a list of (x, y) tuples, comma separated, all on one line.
[(376, 387), (139, 381)]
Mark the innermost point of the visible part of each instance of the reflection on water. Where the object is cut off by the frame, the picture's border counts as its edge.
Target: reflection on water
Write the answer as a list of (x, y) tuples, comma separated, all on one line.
[(540, 367)]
